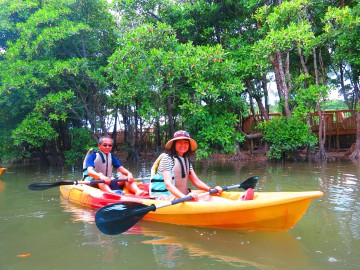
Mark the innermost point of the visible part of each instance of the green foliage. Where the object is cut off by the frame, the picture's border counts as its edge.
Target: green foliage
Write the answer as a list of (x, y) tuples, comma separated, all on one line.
[(33, 131), (342, 33), (309, 99), (332, 105), (217, 135), (8, 151), (153, 67), (182, 63), (53, 46), (286, 135), (40, 125), (81, 142), (285, 27)]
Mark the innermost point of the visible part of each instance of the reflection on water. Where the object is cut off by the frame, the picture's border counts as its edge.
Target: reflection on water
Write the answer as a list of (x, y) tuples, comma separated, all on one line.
[(2, 185), (341, 183), (91, 236), (171, 244), (263, 250)]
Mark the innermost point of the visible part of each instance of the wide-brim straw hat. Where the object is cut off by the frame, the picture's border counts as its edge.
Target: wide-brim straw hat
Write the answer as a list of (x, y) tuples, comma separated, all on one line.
[(182, 135)]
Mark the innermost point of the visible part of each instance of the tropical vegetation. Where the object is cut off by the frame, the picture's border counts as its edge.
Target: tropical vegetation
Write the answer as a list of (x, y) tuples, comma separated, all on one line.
[(72, 70)]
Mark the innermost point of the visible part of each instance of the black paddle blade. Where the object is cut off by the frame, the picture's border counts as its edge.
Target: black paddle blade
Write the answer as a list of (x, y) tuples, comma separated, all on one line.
[(119, 217), (250, 182), (43, 186)]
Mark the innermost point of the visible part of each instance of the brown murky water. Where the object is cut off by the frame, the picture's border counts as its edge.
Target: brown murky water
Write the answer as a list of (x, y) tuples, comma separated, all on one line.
[(40, 230)]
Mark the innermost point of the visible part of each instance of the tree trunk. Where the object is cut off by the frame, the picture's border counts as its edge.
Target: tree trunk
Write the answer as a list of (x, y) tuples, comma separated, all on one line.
[(169, 112), (263, 110), (274, 63), (170, 117), (142, 146), (308, 121), (280, 78), (55, 158), (356, 153), (316, 73), (323, 72), (266, 95), (125, 118), (321, 155), (240, 155), (133, 149), (284, 81), (83, 45), (157, 135), (114, 133)]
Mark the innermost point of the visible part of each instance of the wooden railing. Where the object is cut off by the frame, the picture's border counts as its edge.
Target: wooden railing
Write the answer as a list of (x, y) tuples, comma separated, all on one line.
[(338, 123), (249, 124)]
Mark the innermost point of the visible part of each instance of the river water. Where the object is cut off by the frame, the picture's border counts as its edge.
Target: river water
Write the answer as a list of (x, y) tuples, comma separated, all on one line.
[(40, 230)]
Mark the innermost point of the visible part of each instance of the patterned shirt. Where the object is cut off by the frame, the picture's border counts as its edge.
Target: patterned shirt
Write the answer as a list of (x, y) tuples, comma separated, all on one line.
[(167, 164)]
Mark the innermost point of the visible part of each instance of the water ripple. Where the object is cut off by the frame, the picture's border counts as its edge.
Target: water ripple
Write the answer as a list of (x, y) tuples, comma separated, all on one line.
[(39, 214)]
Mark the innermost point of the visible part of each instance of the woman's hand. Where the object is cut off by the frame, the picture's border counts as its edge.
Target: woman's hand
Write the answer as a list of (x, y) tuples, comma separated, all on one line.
[(194, 195), (219, 189)]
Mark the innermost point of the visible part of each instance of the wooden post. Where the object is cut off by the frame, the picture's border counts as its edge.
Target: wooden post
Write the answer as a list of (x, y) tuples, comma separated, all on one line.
[(337, 131)]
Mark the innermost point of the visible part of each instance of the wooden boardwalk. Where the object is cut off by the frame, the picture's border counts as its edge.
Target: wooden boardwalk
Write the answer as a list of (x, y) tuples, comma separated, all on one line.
[(340, 127)]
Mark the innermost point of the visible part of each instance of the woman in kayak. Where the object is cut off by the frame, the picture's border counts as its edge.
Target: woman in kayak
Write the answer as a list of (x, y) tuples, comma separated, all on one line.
[(173, 170)]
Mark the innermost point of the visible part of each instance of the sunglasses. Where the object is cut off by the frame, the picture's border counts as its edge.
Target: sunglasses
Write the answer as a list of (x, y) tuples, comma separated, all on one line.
[(181, 134), (107, 145)]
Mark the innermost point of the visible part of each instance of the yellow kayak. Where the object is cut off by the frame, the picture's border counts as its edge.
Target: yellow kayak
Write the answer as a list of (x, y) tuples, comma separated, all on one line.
[(267, 211), (2, 170)]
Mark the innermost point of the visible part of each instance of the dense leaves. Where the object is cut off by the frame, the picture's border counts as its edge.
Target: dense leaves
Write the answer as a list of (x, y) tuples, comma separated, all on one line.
[(74, 69), (286, 136)]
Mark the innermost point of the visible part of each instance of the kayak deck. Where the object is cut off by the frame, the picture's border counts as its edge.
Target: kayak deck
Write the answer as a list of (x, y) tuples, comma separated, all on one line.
[(267, 211)]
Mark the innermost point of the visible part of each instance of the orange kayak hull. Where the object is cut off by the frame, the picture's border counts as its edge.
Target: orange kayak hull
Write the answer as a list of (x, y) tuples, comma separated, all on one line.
[(2, 170), (277, 211)]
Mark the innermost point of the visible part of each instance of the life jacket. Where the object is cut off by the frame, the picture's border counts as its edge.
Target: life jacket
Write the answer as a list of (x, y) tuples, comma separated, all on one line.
[(179, 174), (103, 164), (85, 172)]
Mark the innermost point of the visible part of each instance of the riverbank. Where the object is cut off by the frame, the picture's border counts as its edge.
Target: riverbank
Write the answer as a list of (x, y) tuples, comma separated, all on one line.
[(261, 157)]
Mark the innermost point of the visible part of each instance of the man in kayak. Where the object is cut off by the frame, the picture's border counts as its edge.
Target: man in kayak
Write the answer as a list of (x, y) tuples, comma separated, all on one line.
[(170, 179), (100, 164)]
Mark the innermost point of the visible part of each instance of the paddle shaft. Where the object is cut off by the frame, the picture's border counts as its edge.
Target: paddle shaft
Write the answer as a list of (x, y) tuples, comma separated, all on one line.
[(43, 186), (98, 181), (189, 198)]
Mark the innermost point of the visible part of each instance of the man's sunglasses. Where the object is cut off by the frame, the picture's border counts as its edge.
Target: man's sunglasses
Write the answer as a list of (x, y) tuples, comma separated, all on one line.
[(106, 145)]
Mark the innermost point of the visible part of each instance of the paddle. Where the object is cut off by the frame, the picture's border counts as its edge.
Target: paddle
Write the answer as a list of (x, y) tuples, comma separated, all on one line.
[(43, 186), (119, 217)]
